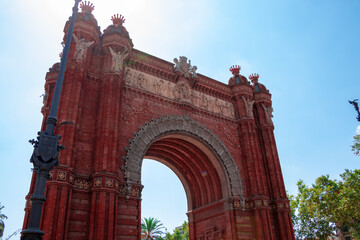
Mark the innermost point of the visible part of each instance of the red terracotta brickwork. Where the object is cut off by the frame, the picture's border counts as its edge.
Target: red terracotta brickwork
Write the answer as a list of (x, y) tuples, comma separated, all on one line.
[(122, 105)]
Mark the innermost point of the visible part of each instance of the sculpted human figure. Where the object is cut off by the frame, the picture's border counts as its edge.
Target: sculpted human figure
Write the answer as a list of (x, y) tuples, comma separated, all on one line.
[(128, 77), (220, 107), (118, 59), (249, 106), (141, 81), (160, 87), (204, 102), (81, 47), (168, 90), (45, 96), (177, 65), (193, 72), (268, 113), (195, 98)]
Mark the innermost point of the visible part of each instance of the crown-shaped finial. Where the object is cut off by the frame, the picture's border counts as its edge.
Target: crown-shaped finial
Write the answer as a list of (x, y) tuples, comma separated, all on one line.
[(235, 69), (254, 77), (118, 19), (87, 7)]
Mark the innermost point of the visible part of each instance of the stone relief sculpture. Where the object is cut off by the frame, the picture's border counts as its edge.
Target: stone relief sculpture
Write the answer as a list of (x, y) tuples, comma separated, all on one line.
[(141, 82), (118, 59), (195, 98), (81, 47), (204, 102), (220, 107), (231, 110), (193, 72), (185, 68), (160, 87), (128, 77), (44, 96), (180, 91), (249, 106), (268, 113)]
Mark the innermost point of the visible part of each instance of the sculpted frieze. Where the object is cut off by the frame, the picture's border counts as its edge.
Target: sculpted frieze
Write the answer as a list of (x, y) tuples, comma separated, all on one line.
[(180, 91)]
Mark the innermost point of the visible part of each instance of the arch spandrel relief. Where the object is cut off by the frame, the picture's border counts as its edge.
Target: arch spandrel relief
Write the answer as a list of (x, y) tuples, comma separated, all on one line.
[(180, 91)]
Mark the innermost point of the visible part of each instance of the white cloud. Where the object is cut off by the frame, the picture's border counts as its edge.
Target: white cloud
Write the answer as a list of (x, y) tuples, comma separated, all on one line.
[(358, 130)]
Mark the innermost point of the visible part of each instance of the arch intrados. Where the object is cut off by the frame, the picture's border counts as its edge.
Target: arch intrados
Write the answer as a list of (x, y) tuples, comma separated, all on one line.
[(207, 152), (205, 190), (192, 178), (200, 168)]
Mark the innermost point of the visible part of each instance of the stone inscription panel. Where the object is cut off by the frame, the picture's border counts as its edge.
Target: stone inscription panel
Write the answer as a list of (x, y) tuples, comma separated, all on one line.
[(180, 92)]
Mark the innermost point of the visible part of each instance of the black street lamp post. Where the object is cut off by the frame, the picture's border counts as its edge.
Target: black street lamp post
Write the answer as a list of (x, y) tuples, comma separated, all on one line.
[(46, 148)]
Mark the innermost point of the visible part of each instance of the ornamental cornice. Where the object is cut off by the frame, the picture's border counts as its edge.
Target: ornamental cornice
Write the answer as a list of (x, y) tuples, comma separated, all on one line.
[(263, 203), (151, 70)]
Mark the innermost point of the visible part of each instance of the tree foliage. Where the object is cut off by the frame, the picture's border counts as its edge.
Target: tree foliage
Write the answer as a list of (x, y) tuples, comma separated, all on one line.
[(356, 147), (326, 207), (178, 234), (151, 228), (185, 229)]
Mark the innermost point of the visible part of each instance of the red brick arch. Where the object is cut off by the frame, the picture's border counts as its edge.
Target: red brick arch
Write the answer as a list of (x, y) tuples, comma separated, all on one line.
[(180, 125), (160, 138), (127, 105)]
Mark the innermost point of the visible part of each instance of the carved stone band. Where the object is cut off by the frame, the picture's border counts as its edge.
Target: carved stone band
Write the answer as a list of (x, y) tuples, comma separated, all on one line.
[(180, 92)]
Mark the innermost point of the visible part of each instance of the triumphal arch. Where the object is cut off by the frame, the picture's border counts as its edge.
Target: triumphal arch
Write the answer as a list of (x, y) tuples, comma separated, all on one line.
[(120, 105)]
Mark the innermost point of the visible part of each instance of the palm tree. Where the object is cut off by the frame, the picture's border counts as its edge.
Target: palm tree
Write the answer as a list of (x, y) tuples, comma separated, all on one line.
[(151, 228)]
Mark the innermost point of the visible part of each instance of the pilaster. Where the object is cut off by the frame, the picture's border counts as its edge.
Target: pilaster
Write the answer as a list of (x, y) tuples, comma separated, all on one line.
[(108, 123)]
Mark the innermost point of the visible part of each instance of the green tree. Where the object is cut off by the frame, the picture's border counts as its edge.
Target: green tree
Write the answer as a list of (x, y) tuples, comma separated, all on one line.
[(185, 229), (2, 218), (177, 235), (151, 228), (168, 236), (356, 147), (327, 206)]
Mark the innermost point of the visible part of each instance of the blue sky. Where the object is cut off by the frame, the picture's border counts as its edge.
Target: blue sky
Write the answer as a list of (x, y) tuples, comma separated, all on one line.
[(306, 52)]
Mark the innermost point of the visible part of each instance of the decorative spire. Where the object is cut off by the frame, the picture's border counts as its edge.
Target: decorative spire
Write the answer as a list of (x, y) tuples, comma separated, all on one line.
[(87, 7), (235, 69), (118, 20), (254, 77)]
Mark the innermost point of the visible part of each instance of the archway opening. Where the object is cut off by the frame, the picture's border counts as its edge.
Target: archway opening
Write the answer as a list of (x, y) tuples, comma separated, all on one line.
[(203, 164), (193, 164), (163, 196)]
